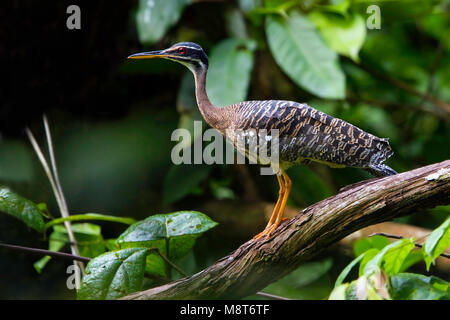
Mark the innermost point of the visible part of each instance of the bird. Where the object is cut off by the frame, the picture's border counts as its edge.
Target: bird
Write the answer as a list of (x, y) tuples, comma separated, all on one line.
[(304, 133)]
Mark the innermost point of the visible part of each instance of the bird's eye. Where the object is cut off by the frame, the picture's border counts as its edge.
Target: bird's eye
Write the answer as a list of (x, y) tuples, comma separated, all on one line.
[(181, 50)]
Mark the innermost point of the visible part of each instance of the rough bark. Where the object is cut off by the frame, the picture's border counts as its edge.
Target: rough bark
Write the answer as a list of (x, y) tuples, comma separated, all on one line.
[(255, 264)]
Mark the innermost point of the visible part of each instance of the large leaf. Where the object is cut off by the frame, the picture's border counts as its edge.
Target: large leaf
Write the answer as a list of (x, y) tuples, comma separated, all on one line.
[(163, 226), (114, 274), (345, 35), (21, 208), (300, 51), (390, 258), (437, 242), (230, 65), (173, 232), (155, 17), (410, 286)]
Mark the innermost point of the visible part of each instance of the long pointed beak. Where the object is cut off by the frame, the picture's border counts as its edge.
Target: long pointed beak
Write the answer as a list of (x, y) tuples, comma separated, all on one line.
[(148, 55)]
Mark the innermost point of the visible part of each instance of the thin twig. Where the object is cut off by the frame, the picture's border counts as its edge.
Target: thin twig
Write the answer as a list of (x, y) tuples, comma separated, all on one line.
[(63, 208), (393, 236), (45, 252), (271, 296), (61, 203)]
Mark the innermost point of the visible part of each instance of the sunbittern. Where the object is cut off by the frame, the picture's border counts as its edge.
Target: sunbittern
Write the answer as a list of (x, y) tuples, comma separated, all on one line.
[(305, 133)]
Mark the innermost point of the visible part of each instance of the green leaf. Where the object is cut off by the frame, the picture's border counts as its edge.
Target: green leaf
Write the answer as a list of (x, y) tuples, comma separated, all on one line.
[(410, 286), (180, 229), (436, 242), (114, 274), (230, 65), (301, 53), (56, 242), (21, 208), (182, 179), (391, 258), (345, 35), (89, 238), (111, 244), (369, 254), (413, 257), (91, 216), (163, 226), (364, 244), (155, 17)]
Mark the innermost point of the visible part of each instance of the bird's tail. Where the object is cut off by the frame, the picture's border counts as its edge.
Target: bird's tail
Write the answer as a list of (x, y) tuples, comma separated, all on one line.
[(381, 170)]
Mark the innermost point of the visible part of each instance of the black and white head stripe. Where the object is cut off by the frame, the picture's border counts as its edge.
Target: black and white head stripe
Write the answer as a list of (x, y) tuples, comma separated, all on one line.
[(189, 52)]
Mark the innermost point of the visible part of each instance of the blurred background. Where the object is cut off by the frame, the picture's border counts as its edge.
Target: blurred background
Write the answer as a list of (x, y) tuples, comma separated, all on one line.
[(385, 70)]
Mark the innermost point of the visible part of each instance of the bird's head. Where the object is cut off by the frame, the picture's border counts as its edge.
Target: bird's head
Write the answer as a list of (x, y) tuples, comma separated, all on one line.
[(188, 53)]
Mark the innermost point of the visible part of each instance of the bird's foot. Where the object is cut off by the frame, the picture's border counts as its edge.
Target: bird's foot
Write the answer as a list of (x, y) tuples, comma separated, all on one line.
[(267, 232)]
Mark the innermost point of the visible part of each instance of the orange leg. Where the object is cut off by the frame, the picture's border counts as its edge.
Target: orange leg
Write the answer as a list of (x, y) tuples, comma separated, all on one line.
[(275, 210), (279, 218), (277, 215)]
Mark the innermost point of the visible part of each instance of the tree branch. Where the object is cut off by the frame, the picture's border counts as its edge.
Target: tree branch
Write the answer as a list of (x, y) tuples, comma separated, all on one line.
[(255, 264)]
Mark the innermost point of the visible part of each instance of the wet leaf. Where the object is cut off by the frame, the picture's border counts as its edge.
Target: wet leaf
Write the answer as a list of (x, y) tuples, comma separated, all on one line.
[(114, 274), (162, 226), (21, 208), (300, 52), (176, 231)]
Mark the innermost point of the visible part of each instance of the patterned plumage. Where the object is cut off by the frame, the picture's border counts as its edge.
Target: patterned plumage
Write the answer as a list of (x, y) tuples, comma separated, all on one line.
[(304, 133), (307, 134)]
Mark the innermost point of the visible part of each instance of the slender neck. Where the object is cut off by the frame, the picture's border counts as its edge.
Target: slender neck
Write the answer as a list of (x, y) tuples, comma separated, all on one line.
[(210, 113)]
